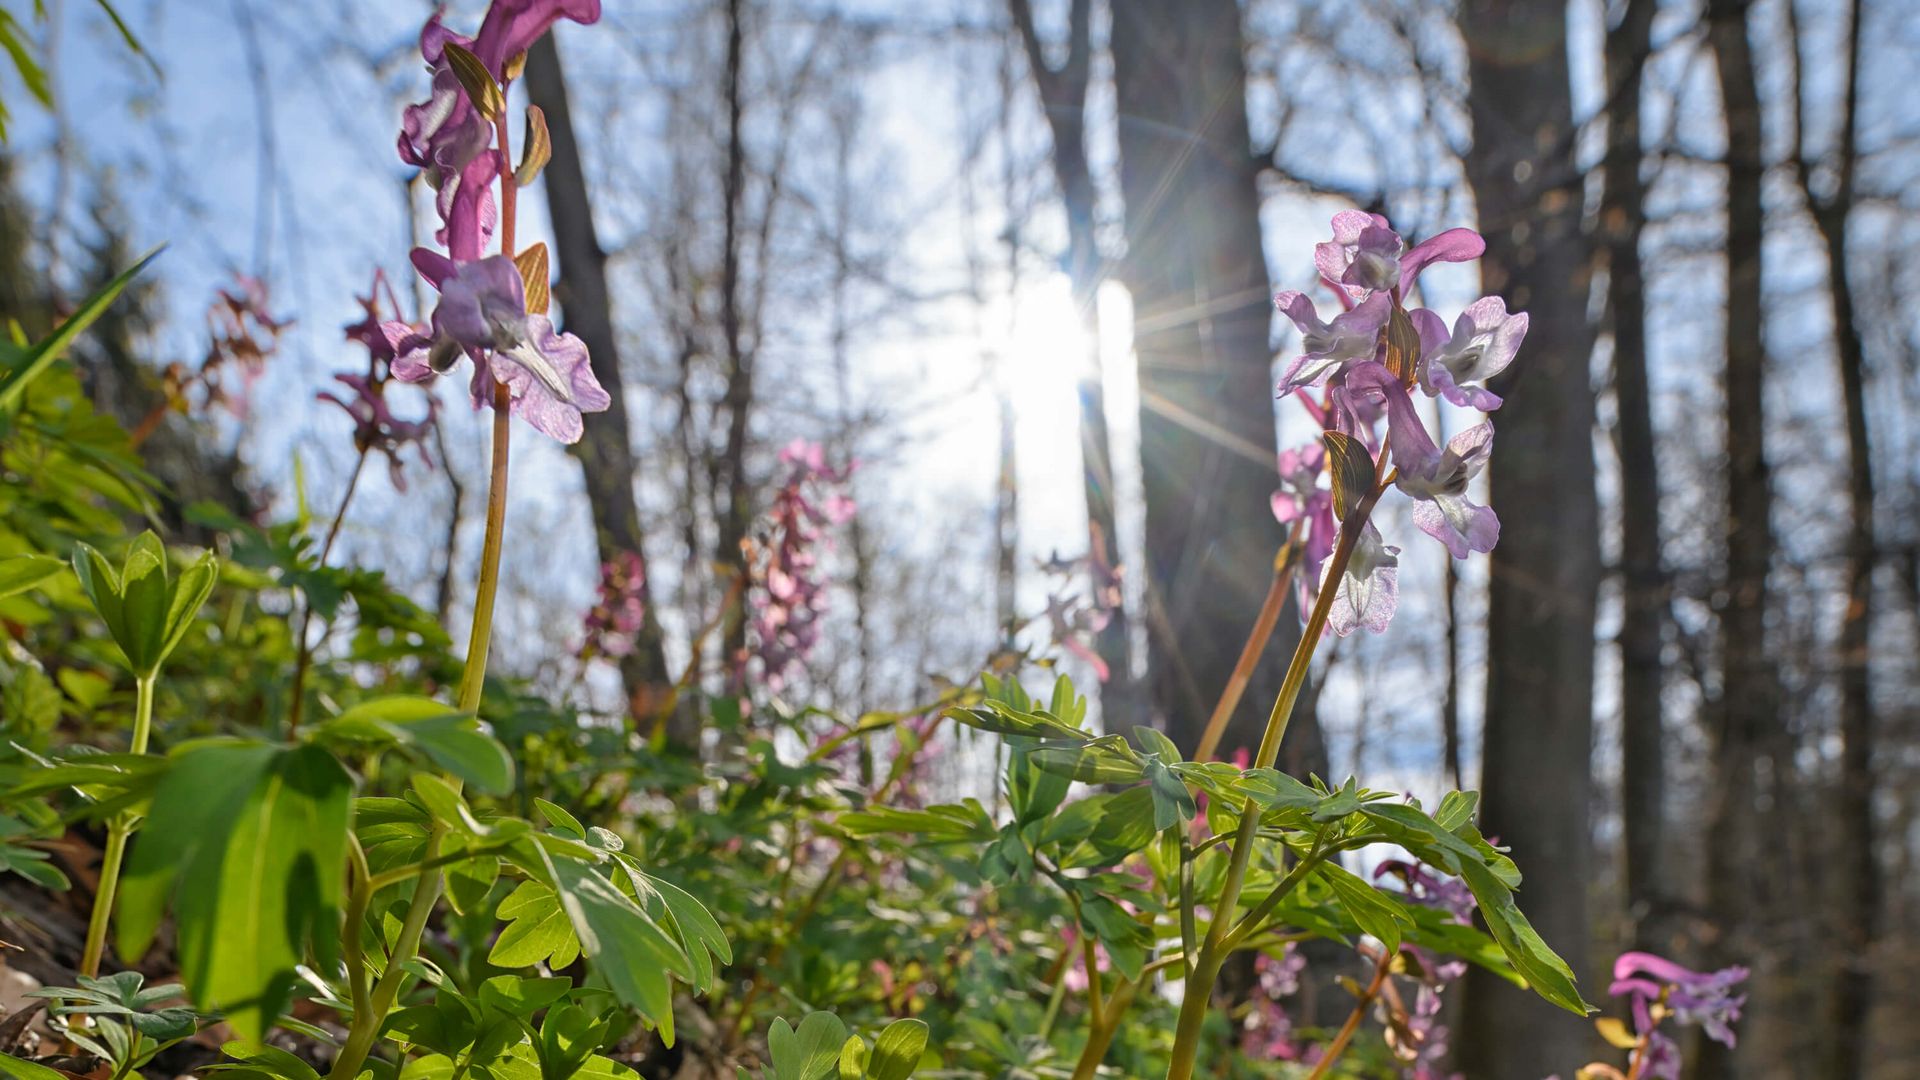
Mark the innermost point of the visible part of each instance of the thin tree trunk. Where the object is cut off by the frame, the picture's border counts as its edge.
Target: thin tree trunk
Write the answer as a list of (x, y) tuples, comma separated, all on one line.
[(1750, 701), (605, 452), (1063, 98), (1858, 914), (731, 491), (1545, 572), (1202, 315), (1623, 218)]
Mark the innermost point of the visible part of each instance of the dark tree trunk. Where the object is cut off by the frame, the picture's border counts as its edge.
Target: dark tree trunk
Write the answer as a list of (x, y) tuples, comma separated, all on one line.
[(1750, 700), (732, 492), (1202, 313), (606, 450), (1623, 218), (1859, 871), (1546, 569), (1063, 98)]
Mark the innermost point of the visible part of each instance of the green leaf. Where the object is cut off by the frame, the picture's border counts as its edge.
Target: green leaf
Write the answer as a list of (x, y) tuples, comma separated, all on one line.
[(853, 1058), (469, 881), (1172, 802), (898, 1050), (537, 930), (559, 818), (455, 742), (699, 934), (1106, 760), (23, 572), (1372, 910), (270, 1059), (1126, 939), (519, 996), (628, 948), (812, 1052), (17, 1069), (1155, 742), (966, 821), (250, 843), (44, 352), (189, 594), (127, 36), (446, 804), (1491, 877)]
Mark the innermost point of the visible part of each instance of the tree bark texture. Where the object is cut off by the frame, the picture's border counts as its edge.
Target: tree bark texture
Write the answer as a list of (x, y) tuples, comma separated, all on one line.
[(1545, 571)]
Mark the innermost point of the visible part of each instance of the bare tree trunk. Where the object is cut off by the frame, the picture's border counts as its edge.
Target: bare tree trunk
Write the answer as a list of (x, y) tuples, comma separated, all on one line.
[(1623, 218), (731, 491), (1006, 504), (1858, 914), (1202, 315), (840, 339), (1750, 701), (606, 450), (1545, 572), (1063, 98)]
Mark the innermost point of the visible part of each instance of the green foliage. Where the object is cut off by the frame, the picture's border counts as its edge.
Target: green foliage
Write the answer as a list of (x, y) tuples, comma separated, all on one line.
[(147, 610), (244, 844), (20, 366)]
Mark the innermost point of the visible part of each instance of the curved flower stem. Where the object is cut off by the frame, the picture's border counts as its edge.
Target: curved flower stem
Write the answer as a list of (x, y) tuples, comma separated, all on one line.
[(304, 657), (1213, 951), (1285, 562), (1339, 1045), (426, 888), (117, 832)]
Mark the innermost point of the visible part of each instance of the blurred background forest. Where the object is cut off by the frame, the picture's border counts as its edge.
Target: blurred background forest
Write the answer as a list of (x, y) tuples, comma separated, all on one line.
[(1014, 260)]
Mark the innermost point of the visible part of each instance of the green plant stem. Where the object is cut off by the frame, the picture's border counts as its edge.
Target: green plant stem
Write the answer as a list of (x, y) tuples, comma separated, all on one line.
[(356, 920), (303, 657), (1213, 953), (117, 832), (426, 889)]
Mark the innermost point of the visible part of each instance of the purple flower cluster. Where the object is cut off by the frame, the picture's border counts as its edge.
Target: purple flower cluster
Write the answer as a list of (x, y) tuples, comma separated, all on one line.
[(482, 313), (1428, 889), (1657, 988), (786, 594), (1267, 1033), (614, 621), (1371, 271), (365, 400)]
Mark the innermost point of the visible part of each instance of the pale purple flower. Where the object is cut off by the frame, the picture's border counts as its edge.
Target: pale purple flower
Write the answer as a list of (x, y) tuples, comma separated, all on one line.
[(1268, 1031), (1369, 591), (613, 623), (483, 314), (1366, 256), (1436, 478), (1326, 349), (512, 26), (1703, 998), (1483, 342), (445, 132), (375, 426), (1428, 889), (467, 212), (1301, 496), (786, 593)]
